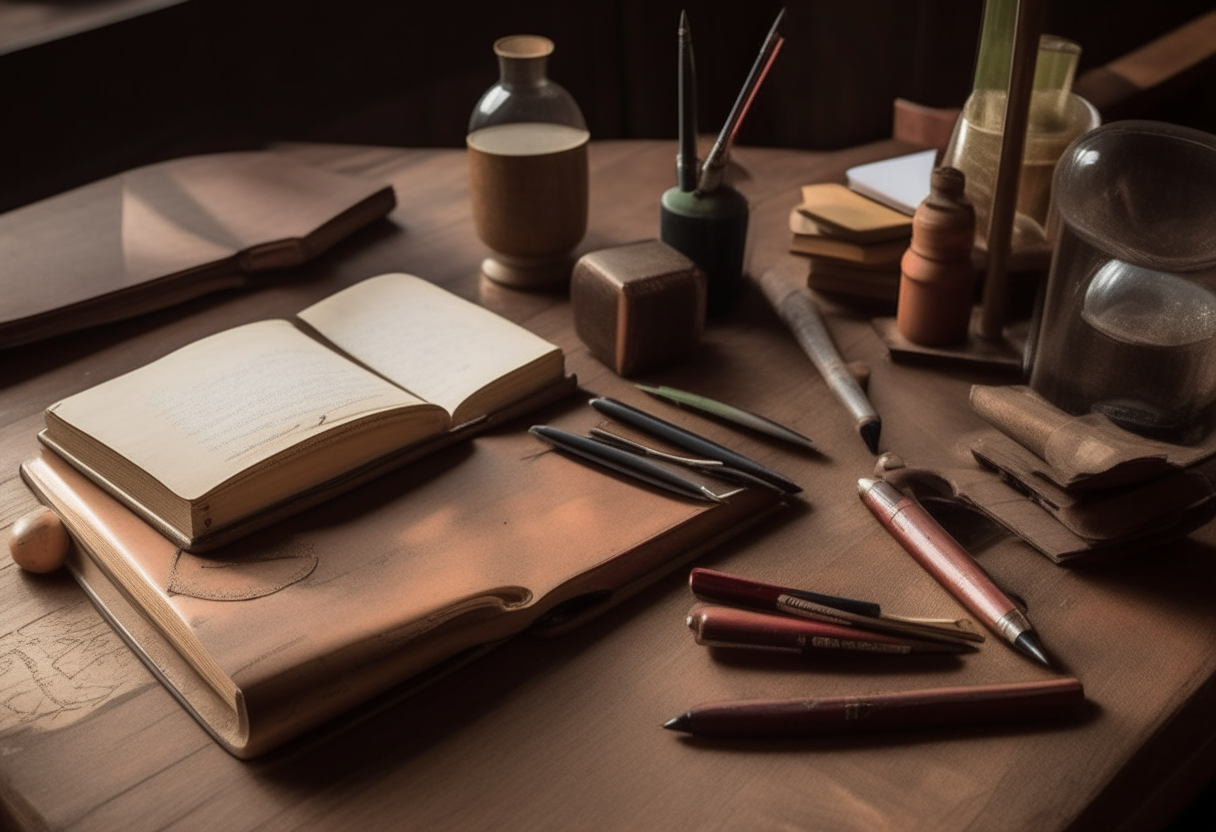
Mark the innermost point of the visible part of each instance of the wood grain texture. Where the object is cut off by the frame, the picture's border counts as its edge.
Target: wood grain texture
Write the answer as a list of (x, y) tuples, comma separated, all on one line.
[(564, 733)]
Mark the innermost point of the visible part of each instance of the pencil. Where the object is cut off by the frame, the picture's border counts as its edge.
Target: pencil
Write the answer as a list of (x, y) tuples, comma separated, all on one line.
[(933, 707), (950, 564)]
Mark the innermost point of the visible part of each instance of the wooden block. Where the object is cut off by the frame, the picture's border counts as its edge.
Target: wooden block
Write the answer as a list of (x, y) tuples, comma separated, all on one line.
[(638, 306)]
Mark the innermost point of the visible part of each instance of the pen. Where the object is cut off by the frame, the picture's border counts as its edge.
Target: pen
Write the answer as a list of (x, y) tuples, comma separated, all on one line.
[(802, 317), (686, 158), (729, 412), (1016, 702), (715, 626), (728, 589), (721, 587), (622, 461), (710, 467), (949, 563), (689, 441), (715, 162)]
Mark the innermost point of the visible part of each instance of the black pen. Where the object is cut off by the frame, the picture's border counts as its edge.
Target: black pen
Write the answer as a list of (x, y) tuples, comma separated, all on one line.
[(686, 158), (710, 467), (622, 461), (690, 441)]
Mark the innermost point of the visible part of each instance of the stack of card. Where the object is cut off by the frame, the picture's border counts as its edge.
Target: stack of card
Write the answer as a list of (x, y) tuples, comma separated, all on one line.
[(854, 244)]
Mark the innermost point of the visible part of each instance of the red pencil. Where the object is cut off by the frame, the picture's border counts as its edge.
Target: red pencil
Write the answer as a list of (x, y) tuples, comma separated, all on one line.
[(1017, 702)]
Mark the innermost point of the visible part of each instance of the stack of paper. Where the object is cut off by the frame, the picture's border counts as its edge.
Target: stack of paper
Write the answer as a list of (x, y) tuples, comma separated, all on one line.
[(853, 243)]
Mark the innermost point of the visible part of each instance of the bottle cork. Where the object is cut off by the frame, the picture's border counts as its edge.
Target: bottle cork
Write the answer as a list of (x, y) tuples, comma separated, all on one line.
[(937, 279)]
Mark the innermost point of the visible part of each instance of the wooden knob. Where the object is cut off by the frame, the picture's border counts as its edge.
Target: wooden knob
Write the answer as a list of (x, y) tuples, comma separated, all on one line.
[(39, 542)]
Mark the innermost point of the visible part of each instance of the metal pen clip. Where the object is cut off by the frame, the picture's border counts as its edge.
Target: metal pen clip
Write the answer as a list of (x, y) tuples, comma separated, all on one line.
[(710, 467), (623, 462), (690, 441)]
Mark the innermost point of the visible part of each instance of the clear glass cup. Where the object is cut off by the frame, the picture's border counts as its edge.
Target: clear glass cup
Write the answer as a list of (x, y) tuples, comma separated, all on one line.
[(1128, 327), (527, 145)]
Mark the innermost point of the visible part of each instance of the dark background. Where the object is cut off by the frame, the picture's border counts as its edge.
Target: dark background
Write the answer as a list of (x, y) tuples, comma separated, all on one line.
[(226, 74), (89, 88)]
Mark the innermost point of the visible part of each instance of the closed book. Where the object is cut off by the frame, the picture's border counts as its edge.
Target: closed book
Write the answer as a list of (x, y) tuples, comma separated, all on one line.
[(841, 278), (809, 239), (286, 629)]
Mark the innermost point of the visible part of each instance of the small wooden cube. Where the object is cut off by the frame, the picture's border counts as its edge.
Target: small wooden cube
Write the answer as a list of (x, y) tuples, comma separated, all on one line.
[(638, 306)]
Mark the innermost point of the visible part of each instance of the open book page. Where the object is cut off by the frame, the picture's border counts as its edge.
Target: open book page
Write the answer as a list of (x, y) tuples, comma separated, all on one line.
[(214, 408), (438, 346)]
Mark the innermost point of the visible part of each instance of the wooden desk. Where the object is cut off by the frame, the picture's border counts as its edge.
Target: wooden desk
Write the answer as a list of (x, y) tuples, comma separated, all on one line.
[(564, 734)]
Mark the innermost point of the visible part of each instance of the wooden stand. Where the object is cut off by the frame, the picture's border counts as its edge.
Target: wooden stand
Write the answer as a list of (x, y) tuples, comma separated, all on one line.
[(988, 344)]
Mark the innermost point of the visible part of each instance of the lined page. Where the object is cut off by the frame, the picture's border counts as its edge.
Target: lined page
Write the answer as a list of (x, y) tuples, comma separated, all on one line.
[(215, 407), (438, 346)]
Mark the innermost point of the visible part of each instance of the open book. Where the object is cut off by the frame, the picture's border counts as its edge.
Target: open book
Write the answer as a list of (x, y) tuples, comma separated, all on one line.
[(165, 233), (286, 628), (251, 424)]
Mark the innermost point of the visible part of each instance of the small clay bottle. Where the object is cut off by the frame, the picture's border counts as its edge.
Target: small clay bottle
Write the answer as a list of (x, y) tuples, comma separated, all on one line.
[(937, 279)]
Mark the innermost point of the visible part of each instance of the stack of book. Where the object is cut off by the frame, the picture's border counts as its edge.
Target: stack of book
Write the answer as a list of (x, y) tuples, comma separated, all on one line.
[(854, 244), (172, 480)]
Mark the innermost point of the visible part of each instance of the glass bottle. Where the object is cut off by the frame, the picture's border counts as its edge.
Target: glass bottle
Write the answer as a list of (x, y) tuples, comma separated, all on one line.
[(527, 147), (1129, 321)]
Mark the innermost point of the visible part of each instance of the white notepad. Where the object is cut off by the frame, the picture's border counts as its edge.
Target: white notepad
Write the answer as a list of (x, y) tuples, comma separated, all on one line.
[(901, 183)]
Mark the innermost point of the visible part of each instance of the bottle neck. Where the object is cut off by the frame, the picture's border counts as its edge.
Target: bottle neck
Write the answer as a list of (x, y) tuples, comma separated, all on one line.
[(996, 45), (522, 72)]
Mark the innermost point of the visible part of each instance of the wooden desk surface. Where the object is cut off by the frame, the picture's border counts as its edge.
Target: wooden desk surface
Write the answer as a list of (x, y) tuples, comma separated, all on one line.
[(564, 734)]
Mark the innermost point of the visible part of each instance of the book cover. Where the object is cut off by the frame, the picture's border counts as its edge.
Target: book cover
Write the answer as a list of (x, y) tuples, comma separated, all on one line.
[(837, 277), (840, 212), (809, 239), (286, 629)]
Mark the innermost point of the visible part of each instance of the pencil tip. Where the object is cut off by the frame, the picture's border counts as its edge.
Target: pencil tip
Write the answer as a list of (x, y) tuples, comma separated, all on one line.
[(678, 723), (1029, 645), (869, 433)]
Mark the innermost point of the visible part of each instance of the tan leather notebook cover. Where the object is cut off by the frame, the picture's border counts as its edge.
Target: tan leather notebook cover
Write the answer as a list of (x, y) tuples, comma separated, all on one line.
[(162, 234), (283, 630)]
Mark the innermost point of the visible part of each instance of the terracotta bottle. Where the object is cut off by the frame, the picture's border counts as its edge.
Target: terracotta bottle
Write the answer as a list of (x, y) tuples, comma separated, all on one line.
[(937, 279)]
